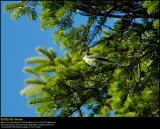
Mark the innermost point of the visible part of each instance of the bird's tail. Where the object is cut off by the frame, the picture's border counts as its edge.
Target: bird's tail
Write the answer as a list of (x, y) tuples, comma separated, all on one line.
[(106, 60)]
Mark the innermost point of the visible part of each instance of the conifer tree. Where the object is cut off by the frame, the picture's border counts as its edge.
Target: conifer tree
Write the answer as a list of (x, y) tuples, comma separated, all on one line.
[(67, 86)]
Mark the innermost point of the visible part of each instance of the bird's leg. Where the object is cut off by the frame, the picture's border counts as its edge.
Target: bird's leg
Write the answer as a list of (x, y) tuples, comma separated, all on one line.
[(100, 69)]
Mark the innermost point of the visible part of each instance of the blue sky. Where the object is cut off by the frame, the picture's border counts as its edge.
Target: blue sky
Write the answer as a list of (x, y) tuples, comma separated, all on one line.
[(19, 38)]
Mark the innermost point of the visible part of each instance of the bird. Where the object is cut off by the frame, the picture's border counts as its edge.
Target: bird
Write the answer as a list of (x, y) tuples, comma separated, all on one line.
[(93, 60)]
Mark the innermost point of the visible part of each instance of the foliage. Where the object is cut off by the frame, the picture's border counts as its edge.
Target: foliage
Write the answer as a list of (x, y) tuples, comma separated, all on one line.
[(152, 8), (63, 86)]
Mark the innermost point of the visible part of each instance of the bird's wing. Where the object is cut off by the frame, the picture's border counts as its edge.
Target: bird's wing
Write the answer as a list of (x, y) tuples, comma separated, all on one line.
[(96, 57), (103, 59), (91, 56)]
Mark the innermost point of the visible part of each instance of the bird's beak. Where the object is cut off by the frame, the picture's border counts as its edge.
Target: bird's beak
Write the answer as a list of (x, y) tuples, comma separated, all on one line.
[(81, 54)]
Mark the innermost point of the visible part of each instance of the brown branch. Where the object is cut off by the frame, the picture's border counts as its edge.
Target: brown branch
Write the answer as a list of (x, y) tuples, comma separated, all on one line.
[(118, 16), (88, 10), (101, 41)]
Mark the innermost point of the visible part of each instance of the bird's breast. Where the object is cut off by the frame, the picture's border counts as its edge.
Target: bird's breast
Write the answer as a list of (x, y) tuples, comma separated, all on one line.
[(89, 61)]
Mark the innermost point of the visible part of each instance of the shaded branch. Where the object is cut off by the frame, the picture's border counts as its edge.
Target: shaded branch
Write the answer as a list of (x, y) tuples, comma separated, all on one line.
[(80, 112)]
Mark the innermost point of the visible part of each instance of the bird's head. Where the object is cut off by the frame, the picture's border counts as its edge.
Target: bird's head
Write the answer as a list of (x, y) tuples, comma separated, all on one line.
[(84, 53)]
